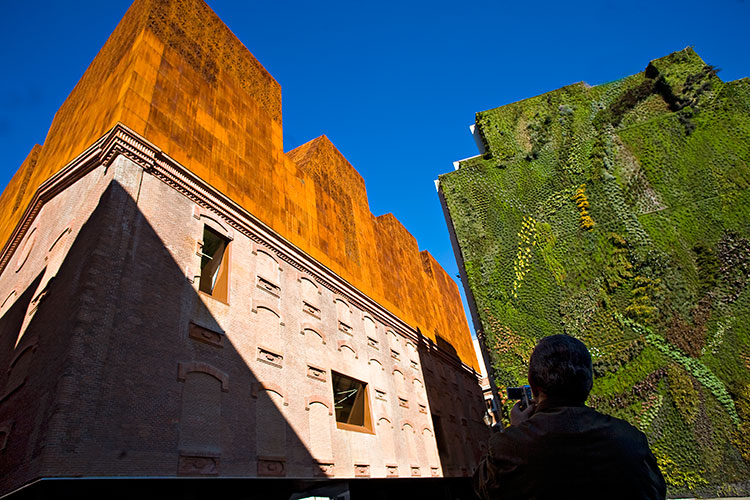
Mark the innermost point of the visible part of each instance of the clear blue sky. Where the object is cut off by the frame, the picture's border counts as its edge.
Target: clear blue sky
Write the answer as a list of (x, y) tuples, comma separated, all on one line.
[(394, 85)]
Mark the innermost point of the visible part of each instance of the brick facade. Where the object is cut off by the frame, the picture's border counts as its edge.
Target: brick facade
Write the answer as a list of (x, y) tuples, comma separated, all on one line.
[(130, 370)]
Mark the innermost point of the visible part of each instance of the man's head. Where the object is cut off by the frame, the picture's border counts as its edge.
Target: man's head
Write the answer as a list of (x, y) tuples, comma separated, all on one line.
[(560, 367)]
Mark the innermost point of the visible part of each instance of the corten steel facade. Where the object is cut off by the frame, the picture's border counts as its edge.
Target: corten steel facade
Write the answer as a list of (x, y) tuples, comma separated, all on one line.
[(120, 359)]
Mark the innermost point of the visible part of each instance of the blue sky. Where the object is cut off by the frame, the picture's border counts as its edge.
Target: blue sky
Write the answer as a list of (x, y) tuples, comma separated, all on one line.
[(394, 85)]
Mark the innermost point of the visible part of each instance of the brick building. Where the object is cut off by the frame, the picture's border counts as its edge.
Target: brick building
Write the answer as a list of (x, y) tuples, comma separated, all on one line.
[(180, 298)]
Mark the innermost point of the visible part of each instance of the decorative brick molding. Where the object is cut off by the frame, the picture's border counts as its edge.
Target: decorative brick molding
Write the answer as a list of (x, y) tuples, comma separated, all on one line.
[(269, 357), (258, 387), (272, 466), (343, 327), (62, 235), (28, 246), (403, 402), (416, 381), (416, 471), (361, 470), (385, 419), (268, 286), (435, 471), (310, 309), (10, 296), (317, 398), (270, 252), (308, 326), (316, 373), (195, 366), (343, 344), (337, 297), (380, 395), (205, 335), (191, 464), (373, 360), (323, 468), (303, 276), (214, 221), (261, 303), (391, 334), (391, 470), (404, 422)]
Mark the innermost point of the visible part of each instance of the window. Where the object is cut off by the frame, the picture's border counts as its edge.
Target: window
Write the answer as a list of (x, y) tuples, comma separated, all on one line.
[(352, 404), (214, 265)]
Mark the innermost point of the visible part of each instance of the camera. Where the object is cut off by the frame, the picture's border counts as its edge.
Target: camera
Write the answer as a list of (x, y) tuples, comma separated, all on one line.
[(523, 393)]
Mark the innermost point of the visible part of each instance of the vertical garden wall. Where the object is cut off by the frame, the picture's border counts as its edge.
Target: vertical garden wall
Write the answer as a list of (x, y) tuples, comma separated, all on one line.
[(620, 214)]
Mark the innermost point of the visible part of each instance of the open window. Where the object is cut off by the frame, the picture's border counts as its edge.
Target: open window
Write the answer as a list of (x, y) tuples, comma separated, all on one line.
[(352, 404), (214, 265)]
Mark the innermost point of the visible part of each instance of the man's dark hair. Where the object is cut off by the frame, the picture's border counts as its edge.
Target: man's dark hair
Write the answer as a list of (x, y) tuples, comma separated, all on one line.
[(560, 366)]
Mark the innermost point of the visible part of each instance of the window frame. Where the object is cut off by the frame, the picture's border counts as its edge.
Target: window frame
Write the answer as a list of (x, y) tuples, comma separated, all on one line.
[(368, 426), (220, 289)]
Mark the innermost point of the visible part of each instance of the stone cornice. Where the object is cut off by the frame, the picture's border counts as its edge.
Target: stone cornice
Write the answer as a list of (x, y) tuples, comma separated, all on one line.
[(120, 140)]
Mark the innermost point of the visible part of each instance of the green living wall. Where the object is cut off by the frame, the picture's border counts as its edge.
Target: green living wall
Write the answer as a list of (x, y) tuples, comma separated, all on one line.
[(620, 214)]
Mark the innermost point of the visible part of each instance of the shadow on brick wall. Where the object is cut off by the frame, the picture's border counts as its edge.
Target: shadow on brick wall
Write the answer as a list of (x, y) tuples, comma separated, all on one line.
[(111, 376), (456, 407)]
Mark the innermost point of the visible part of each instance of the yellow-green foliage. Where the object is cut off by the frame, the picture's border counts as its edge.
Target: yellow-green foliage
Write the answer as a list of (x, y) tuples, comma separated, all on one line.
[(741, 436), (526, 242), (683, 394), (582, 202), (620, 214), (674, 475)]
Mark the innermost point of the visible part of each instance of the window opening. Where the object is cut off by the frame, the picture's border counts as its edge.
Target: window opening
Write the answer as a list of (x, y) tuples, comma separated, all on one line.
[(213, 264), (351, 403)]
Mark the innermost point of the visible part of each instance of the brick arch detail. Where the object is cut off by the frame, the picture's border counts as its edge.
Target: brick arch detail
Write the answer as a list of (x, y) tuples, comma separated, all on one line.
[(60, 237), (262, 249), (309, 326), (215, 222), (386, 419), (336, 298), (259, 387), (194, 366), (303, 276), (398, 370), (342, 344), (266, 304), (406, 421), (377, 361), (317, 398)]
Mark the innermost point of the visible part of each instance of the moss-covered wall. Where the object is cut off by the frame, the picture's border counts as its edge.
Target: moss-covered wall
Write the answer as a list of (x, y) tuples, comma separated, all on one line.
[(620, 214)]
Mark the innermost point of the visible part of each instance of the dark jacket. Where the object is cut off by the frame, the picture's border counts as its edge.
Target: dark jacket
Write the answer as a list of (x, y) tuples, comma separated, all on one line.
[(568, 450)]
